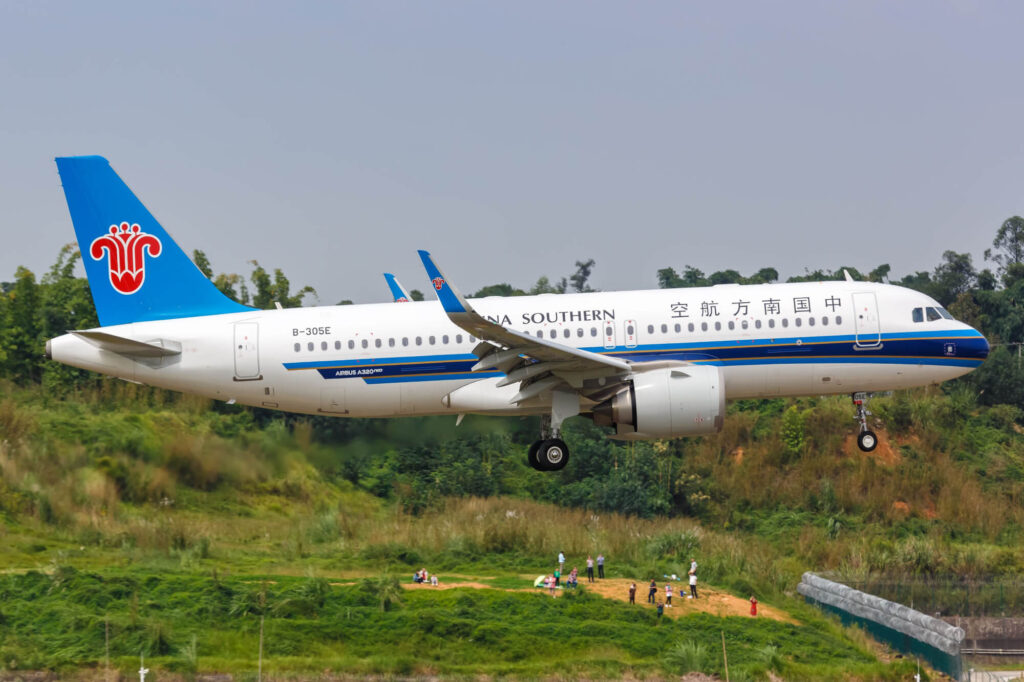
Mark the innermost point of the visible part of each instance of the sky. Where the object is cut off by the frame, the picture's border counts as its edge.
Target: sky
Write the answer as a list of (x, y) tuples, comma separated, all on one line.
[(511, 139)]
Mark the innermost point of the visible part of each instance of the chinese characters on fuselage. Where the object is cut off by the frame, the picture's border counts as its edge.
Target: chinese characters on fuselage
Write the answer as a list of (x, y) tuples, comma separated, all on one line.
[(771, 306)]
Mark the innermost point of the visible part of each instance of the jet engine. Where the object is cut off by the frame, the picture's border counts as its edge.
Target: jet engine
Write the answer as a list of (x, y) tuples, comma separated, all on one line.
[(688, 400)]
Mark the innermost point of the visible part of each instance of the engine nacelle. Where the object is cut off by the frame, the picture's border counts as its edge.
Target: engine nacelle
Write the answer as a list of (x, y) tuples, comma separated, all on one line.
[(666, 403)]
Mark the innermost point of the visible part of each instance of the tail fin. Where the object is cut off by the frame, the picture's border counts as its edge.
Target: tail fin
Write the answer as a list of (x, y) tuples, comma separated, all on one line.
[(135, 270)]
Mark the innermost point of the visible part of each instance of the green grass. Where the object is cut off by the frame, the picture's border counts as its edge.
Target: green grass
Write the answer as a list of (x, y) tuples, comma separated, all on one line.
[(57, 621)]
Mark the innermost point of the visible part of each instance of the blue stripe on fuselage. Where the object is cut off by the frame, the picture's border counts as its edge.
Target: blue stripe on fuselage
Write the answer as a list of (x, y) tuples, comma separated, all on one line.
[(958, 348)]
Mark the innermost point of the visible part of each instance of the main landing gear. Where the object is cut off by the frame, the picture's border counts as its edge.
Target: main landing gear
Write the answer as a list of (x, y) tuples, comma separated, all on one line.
[(866, 439), (550, 453)]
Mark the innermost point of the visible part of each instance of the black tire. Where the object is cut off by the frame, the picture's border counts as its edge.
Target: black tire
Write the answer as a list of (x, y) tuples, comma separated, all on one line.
[(867, 441), (531, 455), (552, 455)]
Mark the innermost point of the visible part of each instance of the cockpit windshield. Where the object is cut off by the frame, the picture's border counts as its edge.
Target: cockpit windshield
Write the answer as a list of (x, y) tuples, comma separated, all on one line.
[(930, 314)]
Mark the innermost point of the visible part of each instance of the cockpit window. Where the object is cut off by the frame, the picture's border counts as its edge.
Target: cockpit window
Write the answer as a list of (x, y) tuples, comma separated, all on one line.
[(944, 313), (932, 314), (918, 315)]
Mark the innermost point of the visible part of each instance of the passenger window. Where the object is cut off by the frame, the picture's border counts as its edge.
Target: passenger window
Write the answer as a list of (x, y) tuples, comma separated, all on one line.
[(310, 345), (554, 333), (323, 345), (444, 339), (664, 329), (337, 345), (689, 327), (405, 340), (540, 334), (703, 326), (678, 328), (391, 342), (839, 319), (566, 333), (298, 347), (732, 325), (351, 344), (431, 340), (798, 322), (377, 343), (810, 321), (718, 326), (609, 332), (650, 329), (419, 340), (932, 314), (579, 332), (918, 315), (757, 323), (593, 331), (785, 322), (824, 320), (630, 330), (744, 324), (771, 323)]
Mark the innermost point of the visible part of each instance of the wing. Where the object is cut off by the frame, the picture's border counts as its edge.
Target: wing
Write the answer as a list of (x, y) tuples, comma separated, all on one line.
[(538, 365), (397, 290)]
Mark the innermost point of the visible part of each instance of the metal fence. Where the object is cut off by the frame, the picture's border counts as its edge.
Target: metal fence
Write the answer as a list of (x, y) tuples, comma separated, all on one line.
[(998, 597)]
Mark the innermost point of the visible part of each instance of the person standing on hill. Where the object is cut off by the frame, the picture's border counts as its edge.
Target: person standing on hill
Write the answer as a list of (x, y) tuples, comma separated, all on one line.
[(558, 576), (651, 592), (561, 561), (632, 593), (693, 585), (600, 566), (668, 595), (590, 568)]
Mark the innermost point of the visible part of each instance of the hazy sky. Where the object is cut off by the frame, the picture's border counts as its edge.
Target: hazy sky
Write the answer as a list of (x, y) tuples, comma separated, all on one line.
[(511, 139)]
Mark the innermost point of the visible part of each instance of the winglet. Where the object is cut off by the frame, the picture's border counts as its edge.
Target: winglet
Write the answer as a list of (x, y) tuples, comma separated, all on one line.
[(397, 290), (846, 274), (451, 300)]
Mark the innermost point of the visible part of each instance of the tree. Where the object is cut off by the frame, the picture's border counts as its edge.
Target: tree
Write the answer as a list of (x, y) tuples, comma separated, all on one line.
[(498, 290), (582, 274), (1008, 244), (954, 276), (275, 290)]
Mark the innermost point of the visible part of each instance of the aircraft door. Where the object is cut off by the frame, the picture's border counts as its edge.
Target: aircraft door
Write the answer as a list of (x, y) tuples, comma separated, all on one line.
[(247, 351), (867, 327), (610, 340), (630, 330)]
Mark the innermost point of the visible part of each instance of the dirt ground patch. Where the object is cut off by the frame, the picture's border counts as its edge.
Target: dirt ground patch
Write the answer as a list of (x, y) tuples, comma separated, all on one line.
[(445, 586), (711, 600)]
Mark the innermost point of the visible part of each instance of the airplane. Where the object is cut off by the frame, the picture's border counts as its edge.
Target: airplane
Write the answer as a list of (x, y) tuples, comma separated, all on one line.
[(397, 290), (649, 364)]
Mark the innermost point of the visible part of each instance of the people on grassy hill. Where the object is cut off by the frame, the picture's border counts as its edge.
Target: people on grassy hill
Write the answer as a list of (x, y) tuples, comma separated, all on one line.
[(558, 577), (693, 585), (551, 585), (573, 577), (652, 592), (632, 593), (561, 561), (668, 595), (600, 566), (433, 580), (590, 569), (753, 605)]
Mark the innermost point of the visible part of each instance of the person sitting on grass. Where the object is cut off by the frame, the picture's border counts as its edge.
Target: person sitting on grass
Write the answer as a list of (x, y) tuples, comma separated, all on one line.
[(417, 578)]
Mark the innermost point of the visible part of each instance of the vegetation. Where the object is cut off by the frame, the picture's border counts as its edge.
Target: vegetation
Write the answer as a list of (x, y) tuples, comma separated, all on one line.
[(175, 523)]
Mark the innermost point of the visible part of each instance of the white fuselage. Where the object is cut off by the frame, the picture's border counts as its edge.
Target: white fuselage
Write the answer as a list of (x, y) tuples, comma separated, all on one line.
[(392, 359)]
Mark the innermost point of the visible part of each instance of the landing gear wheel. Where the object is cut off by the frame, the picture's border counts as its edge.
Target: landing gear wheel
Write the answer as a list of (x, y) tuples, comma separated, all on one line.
[(553, 454), (531, 455), (867, 440)]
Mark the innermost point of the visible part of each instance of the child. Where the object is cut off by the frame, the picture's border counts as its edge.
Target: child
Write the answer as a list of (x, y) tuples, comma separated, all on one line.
[(668, 595)]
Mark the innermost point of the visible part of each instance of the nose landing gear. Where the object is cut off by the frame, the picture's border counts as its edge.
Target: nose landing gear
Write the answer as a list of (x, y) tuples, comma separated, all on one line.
[(866, 439)]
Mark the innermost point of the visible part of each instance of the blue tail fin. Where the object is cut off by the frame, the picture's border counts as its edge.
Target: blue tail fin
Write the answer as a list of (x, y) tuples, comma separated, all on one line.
[(135, 270)]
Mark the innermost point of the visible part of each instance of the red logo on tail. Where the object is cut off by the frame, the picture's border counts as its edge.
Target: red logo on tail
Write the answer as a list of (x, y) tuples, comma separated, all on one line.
[(438, 283), (126, 246)]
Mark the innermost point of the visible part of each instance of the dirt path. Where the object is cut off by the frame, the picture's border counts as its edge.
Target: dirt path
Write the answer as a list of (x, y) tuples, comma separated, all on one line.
[(711, 600)]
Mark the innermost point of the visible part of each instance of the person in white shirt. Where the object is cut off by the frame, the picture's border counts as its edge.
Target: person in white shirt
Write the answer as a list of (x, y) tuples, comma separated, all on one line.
[(693, 585), (668, 595)]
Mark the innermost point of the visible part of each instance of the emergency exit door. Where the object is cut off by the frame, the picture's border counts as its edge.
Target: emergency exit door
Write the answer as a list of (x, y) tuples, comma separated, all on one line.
[(867, 328), (247, 351)]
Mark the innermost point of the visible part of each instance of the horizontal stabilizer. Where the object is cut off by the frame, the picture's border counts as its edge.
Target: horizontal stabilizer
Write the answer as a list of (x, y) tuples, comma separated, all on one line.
[(157, 348)]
